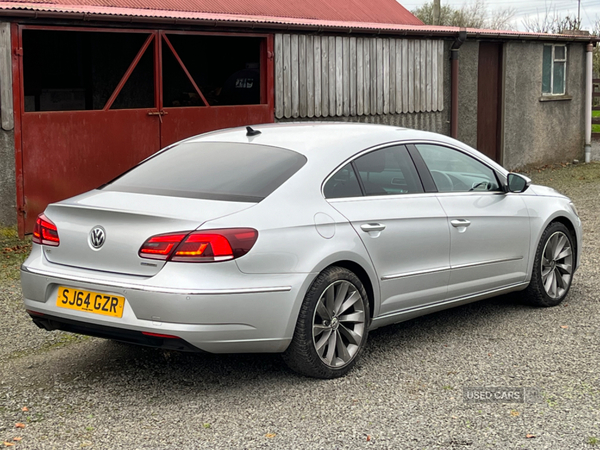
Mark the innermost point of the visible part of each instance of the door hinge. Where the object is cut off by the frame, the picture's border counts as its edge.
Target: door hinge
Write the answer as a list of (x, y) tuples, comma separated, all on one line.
[(19, 51)]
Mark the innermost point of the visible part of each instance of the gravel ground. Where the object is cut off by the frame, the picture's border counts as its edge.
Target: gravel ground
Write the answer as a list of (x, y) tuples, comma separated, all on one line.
[(406, 392)]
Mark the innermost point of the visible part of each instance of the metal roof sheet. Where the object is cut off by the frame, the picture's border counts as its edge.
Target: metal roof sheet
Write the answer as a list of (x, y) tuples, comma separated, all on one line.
[(375, 11), (38, 8)]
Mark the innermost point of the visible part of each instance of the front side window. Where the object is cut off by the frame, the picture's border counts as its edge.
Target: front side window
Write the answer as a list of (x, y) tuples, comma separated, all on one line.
[(453, 171), (554, 69), (389, 171)]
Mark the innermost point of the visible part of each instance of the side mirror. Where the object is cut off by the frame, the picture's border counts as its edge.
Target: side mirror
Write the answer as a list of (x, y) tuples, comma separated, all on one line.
[(515, 182)]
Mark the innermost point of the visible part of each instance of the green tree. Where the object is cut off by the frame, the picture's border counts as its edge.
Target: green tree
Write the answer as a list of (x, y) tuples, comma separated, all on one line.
[(474, 15)]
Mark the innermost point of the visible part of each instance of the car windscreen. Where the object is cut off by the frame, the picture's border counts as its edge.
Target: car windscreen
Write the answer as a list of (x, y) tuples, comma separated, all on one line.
[(213, 171)]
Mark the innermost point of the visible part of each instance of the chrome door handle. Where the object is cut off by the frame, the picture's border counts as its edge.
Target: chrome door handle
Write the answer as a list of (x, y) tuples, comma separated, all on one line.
[(372, 227), (457, 223)]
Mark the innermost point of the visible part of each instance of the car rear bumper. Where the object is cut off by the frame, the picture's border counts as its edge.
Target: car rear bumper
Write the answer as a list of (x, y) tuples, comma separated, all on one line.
[(51, 323), (235, 313)]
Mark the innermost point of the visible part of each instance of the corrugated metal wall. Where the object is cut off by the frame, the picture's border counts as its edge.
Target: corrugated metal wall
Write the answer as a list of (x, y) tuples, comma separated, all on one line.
[(427, 121), (334, 76)]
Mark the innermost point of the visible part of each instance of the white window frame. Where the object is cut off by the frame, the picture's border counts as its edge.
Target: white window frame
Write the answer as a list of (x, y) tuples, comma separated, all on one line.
[(555, 60)]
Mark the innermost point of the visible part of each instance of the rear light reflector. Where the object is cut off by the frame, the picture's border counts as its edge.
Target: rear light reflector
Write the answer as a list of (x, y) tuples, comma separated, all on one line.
[(165, 336), (200, 246), (45, 232)]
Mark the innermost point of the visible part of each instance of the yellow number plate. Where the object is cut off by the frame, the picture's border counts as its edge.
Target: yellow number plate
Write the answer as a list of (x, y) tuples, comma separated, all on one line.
[(94, 302)]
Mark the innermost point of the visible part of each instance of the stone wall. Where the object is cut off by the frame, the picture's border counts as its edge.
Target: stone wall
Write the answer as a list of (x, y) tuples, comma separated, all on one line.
[(536, 131), (8, 197)]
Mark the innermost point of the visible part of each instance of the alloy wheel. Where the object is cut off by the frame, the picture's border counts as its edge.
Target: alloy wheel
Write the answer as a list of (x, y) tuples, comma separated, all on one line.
[(339, 324), (557, 265)]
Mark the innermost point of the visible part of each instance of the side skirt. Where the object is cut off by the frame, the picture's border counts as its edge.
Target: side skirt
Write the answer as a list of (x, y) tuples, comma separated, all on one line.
[(417, 311)]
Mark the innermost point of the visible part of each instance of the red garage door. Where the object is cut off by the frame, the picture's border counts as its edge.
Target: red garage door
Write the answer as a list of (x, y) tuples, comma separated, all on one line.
[(92, 103)]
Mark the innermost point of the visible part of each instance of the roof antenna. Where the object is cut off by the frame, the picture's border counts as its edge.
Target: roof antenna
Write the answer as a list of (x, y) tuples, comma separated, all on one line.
[(251, 132)]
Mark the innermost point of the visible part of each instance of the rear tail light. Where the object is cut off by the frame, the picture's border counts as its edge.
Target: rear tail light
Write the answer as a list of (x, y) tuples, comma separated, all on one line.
[(200, 246), (45, 232), (162, 245)]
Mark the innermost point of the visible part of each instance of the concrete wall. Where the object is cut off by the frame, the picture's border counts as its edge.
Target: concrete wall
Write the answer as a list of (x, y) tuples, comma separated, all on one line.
[(8, 197), (468, 63), (8, 210), (541, 132), (595, 150)]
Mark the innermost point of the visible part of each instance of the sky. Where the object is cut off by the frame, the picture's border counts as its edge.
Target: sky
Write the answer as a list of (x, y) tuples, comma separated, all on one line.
[(590, 9)]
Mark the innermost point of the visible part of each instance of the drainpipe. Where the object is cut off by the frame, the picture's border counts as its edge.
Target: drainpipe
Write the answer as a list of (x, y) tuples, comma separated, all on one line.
[(588, 103), (462, 37)]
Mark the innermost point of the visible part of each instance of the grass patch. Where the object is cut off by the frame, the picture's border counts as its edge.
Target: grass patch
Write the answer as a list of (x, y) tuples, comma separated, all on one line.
[(60, 339), (596, 113), (13, 251)]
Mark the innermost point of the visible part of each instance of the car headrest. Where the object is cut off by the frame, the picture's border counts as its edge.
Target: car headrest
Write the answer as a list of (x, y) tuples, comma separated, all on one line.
[(371, 162)]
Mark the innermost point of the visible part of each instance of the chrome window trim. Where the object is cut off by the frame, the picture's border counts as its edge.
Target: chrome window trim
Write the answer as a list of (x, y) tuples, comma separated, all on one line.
[(419, 194), (501, 176), (155, 289)]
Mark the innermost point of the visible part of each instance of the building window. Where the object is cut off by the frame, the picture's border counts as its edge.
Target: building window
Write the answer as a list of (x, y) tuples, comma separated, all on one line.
[(554, 70)]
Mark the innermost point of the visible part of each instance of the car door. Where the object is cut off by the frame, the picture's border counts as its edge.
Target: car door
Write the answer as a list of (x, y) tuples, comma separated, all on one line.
[(404, 228), (489, 228)]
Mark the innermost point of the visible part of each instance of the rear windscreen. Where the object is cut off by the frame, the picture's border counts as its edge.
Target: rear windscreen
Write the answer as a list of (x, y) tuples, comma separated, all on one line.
[(213, 171)]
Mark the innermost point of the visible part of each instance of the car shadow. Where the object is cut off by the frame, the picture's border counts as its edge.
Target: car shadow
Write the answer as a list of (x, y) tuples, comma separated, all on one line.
[(471, 318), (126, 364)]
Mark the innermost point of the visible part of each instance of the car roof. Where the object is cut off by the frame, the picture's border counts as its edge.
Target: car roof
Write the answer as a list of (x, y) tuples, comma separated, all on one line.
[(331, 141)]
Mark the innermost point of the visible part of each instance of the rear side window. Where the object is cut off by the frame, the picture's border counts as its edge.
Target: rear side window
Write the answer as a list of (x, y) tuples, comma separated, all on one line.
[(342, 184), (387, 171), (213, 171)]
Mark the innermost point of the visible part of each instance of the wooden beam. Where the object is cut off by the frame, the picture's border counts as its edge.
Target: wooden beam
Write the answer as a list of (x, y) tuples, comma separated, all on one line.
[(279, 76), (6, 93)]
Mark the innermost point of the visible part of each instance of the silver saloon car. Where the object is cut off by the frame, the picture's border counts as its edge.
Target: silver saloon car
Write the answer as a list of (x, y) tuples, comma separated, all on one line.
[(296, 239)]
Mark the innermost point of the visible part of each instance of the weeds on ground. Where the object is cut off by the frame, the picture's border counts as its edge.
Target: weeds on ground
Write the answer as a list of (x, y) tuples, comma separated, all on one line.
[(13, 252)]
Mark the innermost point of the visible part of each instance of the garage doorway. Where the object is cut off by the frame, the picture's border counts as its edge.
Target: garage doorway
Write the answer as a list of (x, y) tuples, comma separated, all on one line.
[(489, 100), (91, 103)]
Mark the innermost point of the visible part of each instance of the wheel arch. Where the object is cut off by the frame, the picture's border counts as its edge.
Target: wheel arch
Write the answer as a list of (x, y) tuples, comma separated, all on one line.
[(364, 278), (571, 227)]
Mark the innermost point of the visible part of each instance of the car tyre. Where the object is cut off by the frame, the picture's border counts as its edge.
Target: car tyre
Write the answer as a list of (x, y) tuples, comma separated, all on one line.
[(332, 327), (553, 267)]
